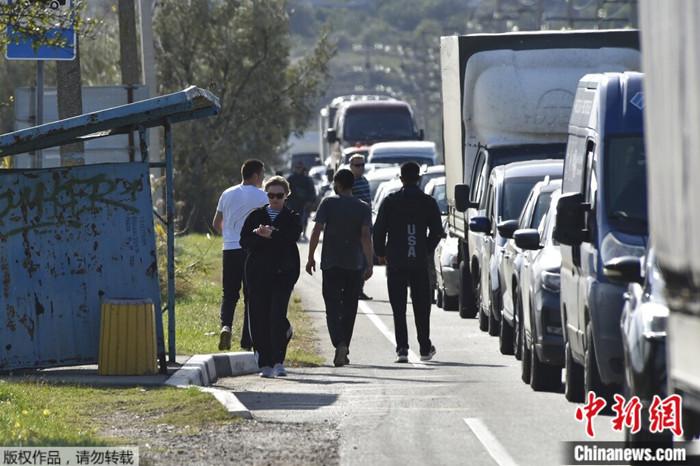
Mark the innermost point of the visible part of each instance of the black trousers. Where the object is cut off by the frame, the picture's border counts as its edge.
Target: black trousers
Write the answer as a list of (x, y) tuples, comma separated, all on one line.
[(233, 277), (341, 291), (398, 280), (267, 310)]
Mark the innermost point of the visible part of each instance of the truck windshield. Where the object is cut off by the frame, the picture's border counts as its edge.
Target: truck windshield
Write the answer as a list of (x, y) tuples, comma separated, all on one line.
[(625, 183), (378, 124), (515, 192)]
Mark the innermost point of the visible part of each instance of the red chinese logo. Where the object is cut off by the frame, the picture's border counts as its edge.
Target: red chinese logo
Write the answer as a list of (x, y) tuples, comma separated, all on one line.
[(589, 411), (663, 414), (627, 414), (666, 414)]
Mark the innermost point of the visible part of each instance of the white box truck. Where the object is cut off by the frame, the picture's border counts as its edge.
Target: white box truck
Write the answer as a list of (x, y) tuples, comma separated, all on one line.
[(508, 97), (671, 62)]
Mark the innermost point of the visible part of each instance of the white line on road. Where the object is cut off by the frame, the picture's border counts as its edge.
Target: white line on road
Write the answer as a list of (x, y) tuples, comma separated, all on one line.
[(493, 446), (366, 310)]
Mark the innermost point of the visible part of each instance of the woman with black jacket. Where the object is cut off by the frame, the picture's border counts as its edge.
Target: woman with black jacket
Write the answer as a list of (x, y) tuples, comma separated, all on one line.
[(269, 236)]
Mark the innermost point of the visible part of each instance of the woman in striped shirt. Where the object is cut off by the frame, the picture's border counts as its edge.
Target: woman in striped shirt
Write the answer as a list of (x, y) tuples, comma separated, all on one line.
[(269, 237)]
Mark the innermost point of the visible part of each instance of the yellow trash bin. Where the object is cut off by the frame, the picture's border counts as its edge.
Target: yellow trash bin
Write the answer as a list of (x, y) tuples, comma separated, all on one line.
[(127, 337)]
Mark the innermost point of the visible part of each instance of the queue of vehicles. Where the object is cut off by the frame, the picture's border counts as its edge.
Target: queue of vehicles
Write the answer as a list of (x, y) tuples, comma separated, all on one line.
[(567, 279)]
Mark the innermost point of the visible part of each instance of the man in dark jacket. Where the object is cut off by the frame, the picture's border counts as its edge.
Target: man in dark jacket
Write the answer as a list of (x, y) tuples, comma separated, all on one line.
[(405, 217), (303, 194)]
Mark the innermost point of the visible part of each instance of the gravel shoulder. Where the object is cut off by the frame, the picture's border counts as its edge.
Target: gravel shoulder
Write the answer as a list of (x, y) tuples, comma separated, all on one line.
[(245, 442)]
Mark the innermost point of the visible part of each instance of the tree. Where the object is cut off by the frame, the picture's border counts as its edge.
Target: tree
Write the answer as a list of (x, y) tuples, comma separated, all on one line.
[(35, 19), (240, 50)]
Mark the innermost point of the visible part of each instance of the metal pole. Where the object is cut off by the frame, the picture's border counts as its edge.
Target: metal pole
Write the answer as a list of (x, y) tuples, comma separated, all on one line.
[(169, 199), (38, 159)]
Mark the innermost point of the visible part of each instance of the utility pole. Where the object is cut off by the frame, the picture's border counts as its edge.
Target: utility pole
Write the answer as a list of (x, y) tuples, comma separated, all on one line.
[(128, 55), (70, 103)]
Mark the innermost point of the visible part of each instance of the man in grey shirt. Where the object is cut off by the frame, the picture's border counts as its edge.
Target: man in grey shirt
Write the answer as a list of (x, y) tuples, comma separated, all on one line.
[(346, 259)]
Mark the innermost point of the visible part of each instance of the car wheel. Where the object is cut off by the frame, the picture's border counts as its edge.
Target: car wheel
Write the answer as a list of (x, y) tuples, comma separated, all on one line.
[(525, 361), (591, 375), (494, 326), (573, 377), (644, 436), (450, 303), (468, 297), (505, 337), (543, 377), (439, 298), (518, 330), (483, 318)]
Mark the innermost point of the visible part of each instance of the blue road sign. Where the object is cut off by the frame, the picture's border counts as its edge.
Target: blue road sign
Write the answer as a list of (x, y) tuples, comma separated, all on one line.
[(22, 48)]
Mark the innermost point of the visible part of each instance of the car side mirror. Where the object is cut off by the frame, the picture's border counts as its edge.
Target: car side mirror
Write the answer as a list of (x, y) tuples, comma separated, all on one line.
[(331, 135), (421, 134), (462, 197), (527, 239), (570, 226), (480, 224), (625, 269), (507, 228)]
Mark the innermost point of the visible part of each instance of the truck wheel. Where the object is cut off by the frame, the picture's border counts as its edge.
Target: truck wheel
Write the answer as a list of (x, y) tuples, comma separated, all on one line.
[(573, 377), (450, 303), (543, 377), (591, 375), (505, 337)]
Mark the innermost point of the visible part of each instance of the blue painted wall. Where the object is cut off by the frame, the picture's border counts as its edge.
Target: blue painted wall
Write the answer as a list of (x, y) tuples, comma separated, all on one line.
[(68, 238)]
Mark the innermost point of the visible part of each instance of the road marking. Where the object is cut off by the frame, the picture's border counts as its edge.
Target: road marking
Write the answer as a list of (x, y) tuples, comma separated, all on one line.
[(492, 445), (374, 318)]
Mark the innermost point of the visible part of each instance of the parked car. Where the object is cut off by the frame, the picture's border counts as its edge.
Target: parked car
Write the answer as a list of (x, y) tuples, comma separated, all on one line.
[(430, 172), (537, 304), (398, 152), (601, 215), (643, 325), (386, 188), (436, 189), (535, 209), (378, 176), (447, 271), (508, 188)]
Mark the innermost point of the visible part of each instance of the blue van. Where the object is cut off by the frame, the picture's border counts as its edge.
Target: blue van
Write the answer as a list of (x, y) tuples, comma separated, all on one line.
[(601, 215)]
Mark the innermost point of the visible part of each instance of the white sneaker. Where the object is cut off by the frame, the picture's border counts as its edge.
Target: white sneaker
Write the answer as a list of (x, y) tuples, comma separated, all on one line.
[(267, 373), (402, 356), (280, 371), (225, 338)]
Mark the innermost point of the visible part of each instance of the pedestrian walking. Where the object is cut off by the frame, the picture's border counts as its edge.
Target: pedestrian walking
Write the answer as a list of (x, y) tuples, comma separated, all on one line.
[(346, 259), (272, 265), (360, 189), (403, 244), (303, 194), (234, 206)]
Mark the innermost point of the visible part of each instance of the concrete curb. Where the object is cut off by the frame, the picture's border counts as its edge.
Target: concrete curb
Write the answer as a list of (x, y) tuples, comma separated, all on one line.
[(203, 370)]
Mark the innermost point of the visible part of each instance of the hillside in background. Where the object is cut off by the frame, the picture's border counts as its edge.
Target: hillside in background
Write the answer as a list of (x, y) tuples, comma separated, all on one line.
[(392, 46)]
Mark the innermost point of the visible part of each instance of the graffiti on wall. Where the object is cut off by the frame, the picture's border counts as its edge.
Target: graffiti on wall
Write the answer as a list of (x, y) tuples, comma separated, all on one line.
[(68, 239)]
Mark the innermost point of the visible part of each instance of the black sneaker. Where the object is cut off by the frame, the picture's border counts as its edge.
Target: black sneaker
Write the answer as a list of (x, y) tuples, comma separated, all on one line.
[(402, 356), (341, 356), (429, 356)]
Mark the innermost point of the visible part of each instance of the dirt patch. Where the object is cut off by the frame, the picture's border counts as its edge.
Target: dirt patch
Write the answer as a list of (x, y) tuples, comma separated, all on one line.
[(248, 442)]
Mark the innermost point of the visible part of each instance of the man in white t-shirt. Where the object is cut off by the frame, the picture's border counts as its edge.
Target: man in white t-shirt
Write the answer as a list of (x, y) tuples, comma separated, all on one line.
[(234, 206)]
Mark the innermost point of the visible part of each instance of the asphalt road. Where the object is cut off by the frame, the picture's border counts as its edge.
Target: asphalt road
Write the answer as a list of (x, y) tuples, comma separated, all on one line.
[(467, 406)]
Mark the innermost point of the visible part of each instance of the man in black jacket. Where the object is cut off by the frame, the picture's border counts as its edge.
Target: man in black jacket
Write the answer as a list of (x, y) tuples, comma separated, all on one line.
[(405, 217)]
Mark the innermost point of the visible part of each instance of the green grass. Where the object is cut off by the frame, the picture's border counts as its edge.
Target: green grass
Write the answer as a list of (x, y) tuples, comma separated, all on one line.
[(36, 413), (198, 300)]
